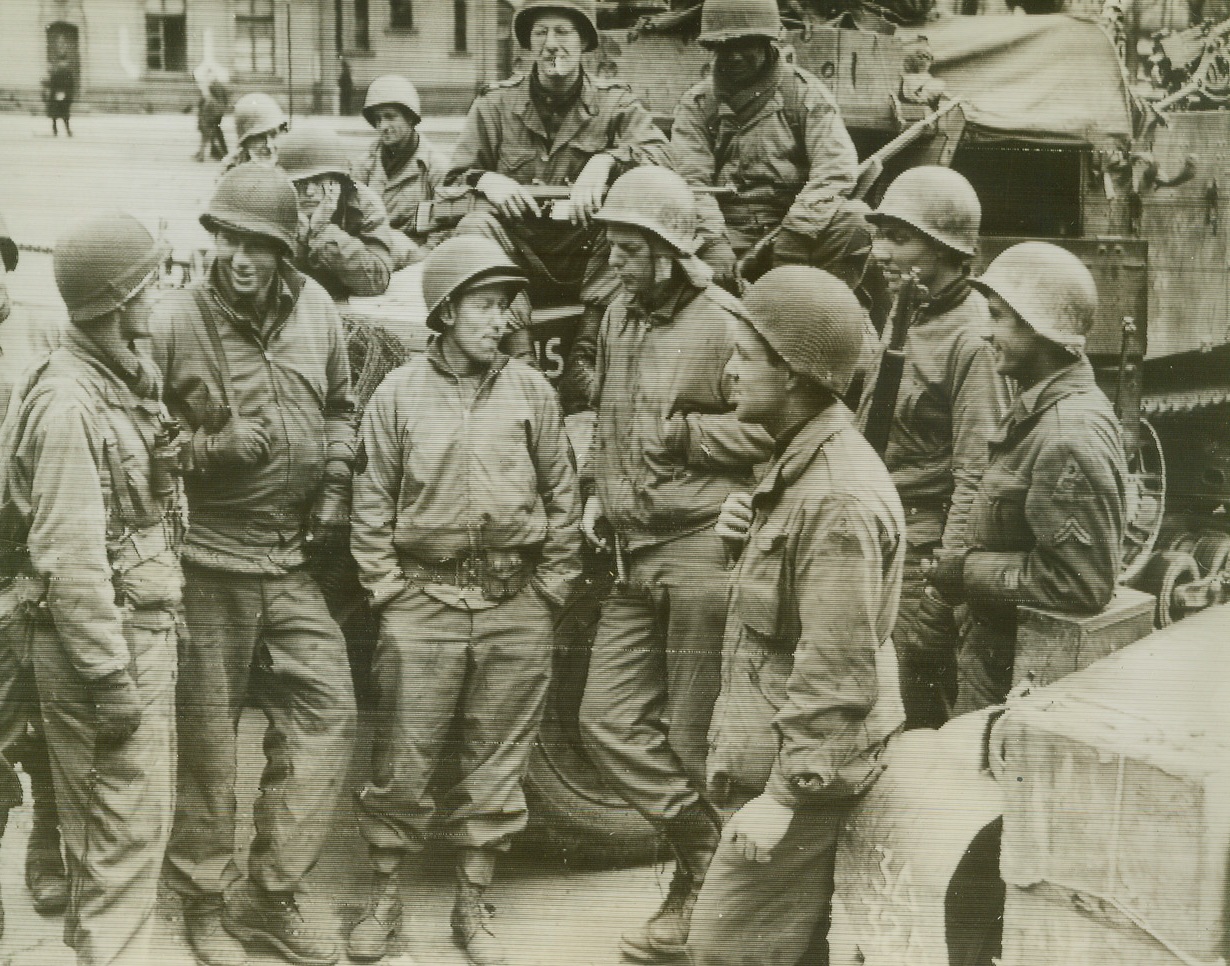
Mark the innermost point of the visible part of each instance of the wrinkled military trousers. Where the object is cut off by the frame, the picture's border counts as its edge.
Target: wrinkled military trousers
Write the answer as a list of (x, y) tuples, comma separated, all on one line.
[(655, 673), (777, 912), (21, 724), (985, 664), (115, 801), (557, 253), (269, 639), (478, 677)]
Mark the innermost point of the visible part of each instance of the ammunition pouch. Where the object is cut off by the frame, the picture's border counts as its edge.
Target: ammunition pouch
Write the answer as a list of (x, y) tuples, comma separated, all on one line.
[(500, 574), (145, 566)]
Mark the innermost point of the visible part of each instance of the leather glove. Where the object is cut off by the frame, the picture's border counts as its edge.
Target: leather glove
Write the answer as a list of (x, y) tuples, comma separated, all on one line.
[(946, 573), (937, 622), (330, 521), (117, 707), (240, 442)]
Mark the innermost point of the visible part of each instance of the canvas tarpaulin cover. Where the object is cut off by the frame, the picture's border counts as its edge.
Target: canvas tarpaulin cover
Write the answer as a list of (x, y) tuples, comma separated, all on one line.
[(1050, 78)]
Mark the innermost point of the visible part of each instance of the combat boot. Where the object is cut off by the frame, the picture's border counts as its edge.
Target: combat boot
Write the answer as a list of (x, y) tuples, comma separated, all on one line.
[(211, 943), (273, 920), (45, 875), (372, 937), (471, 919), (693, 835)]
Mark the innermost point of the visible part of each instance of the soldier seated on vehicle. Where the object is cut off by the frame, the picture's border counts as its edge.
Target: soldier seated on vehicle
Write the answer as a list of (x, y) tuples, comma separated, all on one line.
[(773, 131), (403, 167), (344, 240), (555, 125), (259, 124), (465, 588), (1046, 526)]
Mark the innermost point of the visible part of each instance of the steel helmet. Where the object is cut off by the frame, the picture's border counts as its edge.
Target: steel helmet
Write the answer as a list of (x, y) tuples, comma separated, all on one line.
[(583, 12), (8, 247), (1048, 287), (722, 20), (656, 200), (309, 154), (463, 261), (395, 90), (257, 113), (810, 319), (255, 200), (103, 263), (938, 202)]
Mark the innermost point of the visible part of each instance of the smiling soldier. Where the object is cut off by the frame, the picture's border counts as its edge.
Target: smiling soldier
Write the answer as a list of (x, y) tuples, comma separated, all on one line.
[(465, 532)]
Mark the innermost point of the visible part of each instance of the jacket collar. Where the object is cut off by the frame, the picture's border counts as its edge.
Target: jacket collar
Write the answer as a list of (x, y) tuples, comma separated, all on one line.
[(945, 300), (802, 451), (750, 102), (435, 355), (414, 167), (288, 283), (583, 111), (1038, 398), (667, 301), (115, 384)]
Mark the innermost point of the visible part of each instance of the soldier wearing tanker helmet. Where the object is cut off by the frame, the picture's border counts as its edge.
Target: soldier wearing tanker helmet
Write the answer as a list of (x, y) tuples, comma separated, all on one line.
[(949, 405), (403, 167), (667, 451), (556, 125), (774, 132), (809, 694), (260, 124), (257, 373), (343, 239), (99, 529), (1046, 525), (483, 574), (23, 343)]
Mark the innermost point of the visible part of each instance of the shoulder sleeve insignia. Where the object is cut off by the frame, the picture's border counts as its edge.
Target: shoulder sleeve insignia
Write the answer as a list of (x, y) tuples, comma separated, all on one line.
[(1071, 530), (1072, 480)]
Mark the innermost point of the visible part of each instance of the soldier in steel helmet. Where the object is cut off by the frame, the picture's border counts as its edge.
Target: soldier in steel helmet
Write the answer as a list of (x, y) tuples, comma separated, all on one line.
[(90, 477), (949, 404), (403, 167), (774, 132), (343, 239), (1046, 525), (260, 123), (557, 125), (465, 532), (667, 451), (257, 372), (809, 694), (24, 342)]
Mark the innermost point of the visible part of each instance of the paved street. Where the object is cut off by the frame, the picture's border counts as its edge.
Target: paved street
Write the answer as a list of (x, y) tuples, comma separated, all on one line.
[(143, 164)]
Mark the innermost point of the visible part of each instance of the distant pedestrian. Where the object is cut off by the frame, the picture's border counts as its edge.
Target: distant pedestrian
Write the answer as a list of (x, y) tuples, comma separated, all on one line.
[(345, 88), (210, 111), (60, 89)]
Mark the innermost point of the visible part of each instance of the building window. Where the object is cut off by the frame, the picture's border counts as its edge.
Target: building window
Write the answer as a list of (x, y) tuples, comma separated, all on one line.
[(166, 35), (362, 26), (254, 36), (461, 27), (401, 14)]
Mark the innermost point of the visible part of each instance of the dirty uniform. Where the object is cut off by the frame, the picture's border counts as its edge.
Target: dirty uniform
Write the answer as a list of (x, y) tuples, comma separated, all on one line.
[(782, 145), (24, 343), (809, 692), (465, 529), (412, 181), (1046, 526), (512, 131), (667, 452), (104, 547), (950, 403), (357, 253), (258, 626)]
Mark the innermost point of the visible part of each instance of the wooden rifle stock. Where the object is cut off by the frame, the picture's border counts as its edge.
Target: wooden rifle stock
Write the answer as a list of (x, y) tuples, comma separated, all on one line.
[(883, 405)]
